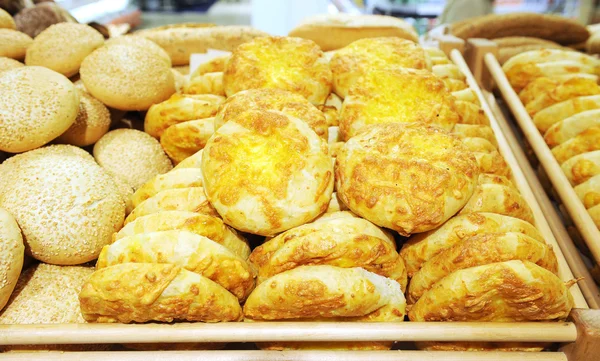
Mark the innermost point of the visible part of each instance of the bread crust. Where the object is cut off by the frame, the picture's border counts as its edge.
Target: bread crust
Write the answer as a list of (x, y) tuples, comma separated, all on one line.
[(12, 252)]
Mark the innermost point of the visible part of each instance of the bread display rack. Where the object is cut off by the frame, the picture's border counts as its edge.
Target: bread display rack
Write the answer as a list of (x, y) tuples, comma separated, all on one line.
[(580, 338)]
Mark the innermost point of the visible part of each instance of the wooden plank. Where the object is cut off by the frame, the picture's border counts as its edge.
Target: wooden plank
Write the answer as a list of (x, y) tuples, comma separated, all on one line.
[(587, 346), (524, 187), (447, 43), (475, 51), (286, 331)]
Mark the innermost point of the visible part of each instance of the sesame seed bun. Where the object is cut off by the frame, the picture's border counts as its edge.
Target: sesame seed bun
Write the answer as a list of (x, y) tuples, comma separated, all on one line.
[(14, 44), (11, 252), (67, 206), (6, 21), (141, 42), (8, 64), (127, 77), (132, 155), (92, 122), (62, 47), (37, 105)]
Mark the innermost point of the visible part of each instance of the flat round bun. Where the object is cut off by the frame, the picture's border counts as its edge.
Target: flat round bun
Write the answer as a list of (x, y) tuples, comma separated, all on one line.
[(14, 44), (408, 177), (292, 64), (273, 99), (397, 95), (12, 252), (141, 42), (127, 77), (132, 155), (66, 205), (37, 105), (6, 21), (350, 63), (266, 172), (62, 47), (8, 64), (92, 122)]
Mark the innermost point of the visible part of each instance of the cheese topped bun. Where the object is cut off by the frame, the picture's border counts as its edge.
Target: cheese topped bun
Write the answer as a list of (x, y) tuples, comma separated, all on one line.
[(397, 96), (292, 64), (407, 177), (266, 172)]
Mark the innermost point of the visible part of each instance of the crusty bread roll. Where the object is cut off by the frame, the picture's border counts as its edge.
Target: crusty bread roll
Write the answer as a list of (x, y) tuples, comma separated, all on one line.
[(586, 141), (176, 178), (12, 253), (66, 205), (272, 99), (92, 122), (454, 84), (492, 163), (535, 87), (33, 20), (6, 21), (185, 139), (132, 155), (155, 292), (62, 47), (255, 165), (38, 105), (513, 45), (496, 198), (582, 167), (140, 42), (193, 161), (209, 83), (475, 130), (14, 44), (570, 127), (440, 175), (127, 77), (190, 251), (355, 60), (448, 71), (479, 145), (8, 64), (564, 90), (546, 118), (292, 64), (470, 113), (422, 247), (390, 96), (589, 192), (594, 213), (334, 31), (214, 65)]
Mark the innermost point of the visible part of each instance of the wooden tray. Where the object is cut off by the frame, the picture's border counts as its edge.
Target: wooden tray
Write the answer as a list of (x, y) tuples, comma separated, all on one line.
[(581, 335)]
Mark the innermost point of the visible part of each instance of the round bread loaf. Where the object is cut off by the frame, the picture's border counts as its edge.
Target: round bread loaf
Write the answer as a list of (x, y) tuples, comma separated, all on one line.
[(33, 20), (12, 252), (127, 77), (8, 64), (408, 177), (132, 155), (14, 44), (266, 172), (62, 47), (37, 105), (142, 43), (6, 21), (92, 122), (293, 64), (66, 205)]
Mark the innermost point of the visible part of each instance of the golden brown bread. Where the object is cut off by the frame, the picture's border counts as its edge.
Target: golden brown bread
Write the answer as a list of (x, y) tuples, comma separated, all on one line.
[(475, 130), (8, 64), (467, 95), (6, 21), (513, 45), (214, 65), (193, 161), (448, 71), (454, 84), (14, 44), (564, 90), (479, 145), (496, 198), (92, 122), (176, 178), (570, 127), (553, 114), (586, 141), (589, 192), (582, 167), (183, 140), (142, 292), (537, 86), (141, 42), (12, 252), (209, 83), (492, 163)]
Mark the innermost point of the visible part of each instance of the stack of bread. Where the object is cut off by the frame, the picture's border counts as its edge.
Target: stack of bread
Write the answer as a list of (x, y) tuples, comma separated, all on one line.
[(560, 92)]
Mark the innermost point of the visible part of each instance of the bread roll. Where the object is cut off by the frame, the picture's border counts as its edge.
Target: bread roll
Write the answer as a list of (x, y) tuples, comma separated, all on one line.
[(496, 198), (589, 192), (479, 145), (492, 163), (8, 64), (254, 166), (422, 247), (177, 178), (570, 127), (582, 167), (38, 105), (183, 140), (215, 65), (335, 31), (6, 21), (454, 84), (292, 64), (546, 118), (132, 155), (439, 176), (470, 113), (142, 43), (475, 130), (564, 90), (12, 252), (193, 161), (390, 96), (66, 205), (586, 141), (513, 45), (127, 77), (448, 71), (92, 122), (33, 20), (14, 44), (467, 95), (272, 99), (62, 47), (209, 83), (594, 213), (534, 88)]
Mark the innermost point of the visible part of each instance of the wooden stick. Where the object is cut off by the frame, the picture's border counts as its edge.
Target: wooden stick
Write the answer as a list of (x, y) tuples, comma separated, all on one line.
[(587, 346), (287, 356), (287, 331), (578, 213), (524, 187), (588, 287)]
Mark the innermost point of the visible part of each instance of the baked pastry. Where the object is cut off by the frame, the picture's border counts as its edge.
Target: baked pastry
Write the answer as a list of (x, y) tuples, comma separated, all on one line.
[(356, 59), (479, 145), (62, 47), (335, 31), (6, 21), (421, 247), (190, 251), (467, 95), (273, 99), (92, 122), (471, 113), (594, 213), (142, 292), (12, 252), (193, 161), (570, 127), (535, 87), (582, 167), (177, 178), (180, 108), (200, 224), (509, 291), (66, 205), (209, 83), (132, 155), (454, 84), (492, 163), (14, 44), (408, 177), (254, 166), (33, 20), (336, 239), (37, 105), (513, 45), (475, 130), (480, 250), (127, 77), (564, 90), (495, 179), (448, 71), (335, 205), (8, 64), (184, 139), (397, 96), (141, 42), (191, 199), (546, 118), (586, 141), (215, 65), (292, 64), (496, 198), (589, 191)]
